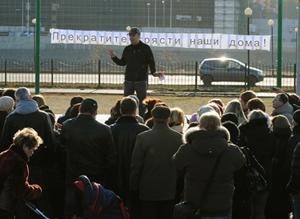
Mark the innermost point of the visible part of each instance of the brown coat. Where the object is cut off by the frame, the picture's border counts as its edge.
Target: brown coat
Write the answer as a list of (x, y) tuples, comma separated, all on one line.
[(14, 179)]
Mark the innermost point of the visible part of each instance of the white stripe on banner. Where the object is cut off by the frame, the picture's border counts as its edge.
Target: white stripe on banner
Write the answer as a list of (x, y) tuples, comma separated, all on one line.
[(183, 40)]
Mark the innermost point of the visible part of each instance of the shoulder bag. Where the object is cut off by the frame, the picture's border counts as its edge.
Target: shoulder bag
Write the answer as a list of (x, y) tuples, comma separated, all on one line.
[(254, 180), (184, 209)]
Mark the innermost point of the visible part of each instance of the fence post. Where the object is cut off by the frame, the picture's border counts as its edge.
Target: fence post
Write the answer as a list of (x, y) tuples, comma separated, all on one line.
[(5, 72), (295, 75), (196, 75), (52, 72), (99, 73), (246, 76)]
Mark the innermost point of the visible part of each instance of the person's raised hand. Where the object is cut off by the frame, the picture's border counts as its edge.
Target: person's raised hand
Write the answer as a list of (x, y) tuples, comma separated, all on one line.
[(111, 53)]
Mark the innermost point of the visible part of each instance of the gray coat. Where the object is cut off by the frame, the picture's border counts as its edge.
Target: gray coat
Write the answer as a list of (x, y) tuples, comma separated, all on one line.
[(152, 170), (285, 110)]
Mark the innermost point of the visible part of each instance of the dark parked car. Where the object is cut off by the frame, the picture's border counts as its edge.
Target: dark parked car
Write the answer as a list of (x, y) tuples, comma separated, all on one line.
[(226, 69)]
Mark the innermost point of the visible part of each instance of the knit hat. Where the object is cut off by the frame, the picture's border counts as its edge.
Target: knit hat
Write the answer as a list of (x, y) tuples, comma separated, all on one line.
[(136, 99), (281, 121), (205, 109), (161, 112), (296, 116), (229, 117), (6, 103), (233, 130), (194, 118)]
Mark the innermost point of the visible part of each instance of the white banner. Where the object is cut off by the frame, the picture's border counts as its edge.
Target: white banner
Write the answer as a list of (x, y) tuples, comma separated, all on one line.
[(180, 40)]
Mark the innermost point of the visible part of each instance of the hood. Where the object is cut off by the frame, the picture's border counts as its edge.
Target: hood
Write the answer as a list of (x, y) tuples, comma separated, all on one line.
[(257, 128), (285, 108), (26, 107), (207, 142)]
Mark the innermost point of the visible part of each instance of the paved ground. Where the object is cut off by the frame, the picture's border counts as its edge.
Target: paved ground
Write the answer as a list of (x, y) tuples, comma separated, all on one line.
[(150, 92)]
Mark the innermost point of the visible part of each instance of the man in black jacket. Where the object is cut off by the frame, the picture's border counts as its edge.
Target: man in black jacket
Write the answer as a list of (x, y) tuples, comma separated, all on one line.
[(27, 114), (90, 150), (124, 132), (137, 57)]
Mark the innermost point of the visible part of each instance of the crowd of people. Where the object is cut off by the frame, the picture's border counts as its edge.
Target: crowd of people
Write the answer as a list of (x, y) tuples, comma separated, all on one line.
[(152, 161)]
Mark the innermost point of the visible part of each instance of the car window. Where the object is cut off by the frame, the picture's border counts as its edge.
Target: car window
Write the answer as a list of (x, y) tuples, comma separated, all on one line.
[(232, 64), (220, 64), (206, 64)]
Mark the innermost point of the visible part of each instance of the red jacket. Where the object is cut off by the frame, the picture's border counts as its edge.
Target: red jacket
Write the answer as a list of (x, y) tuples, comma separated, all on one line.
[(14, 179)]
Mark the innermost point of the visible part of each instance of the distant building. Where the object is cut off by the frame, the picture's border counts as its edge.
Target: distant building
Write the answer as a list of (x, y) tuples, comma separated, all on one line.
[(205, 16)]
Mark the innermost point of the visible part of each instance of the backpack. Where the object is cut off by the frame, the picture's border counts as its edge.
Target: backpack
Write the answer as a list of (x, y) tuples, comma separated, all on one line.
[(98, 202)]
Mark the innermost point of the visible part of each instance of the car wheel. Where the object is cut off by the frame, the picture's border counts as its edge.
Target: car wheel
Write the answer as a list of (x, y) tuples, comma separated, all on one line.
[(252, 81), (207, 80)]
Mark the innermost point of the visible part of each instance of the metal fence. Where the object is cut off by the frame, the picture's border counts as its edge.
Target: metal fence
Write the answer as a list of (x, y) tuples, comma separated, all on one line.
[(106, 74)]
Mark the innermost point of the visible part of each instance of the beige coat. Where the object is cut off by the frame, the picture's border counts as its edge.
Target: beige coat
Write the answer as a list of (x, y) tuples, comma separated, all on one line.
[(152, 170)]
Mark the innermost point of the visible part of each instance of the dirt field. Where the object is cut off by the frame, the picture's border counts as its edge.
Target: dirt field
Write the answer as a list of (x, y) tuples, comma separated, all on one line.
[(58, 103)]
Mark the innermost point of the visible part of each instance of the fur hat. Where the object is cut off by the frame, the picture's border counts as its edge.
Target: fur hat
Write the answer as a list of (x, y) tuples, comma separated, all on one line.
[(230, 117), (6, 103), (280, 121), (296, 116), (161, 112), (233, 130)]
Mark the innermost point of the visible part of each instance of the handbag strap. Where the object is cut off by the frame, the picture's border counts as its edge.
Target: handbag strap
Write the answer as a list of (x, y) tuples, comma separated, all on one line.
[(244, 150), (209, 182)]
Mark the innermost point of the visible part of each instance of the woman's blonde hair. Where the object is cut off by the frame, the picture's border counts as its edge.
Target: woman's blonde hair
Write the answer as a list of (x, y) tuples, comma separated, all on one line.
[(177, 117), (28, 137), (39, 99), (235, 107), (210, 121)]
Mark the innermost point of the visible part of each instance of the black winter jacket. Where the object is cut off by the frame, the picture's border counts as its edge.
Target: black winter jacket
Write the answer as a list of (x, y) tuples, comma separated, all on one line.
[(90, 148), (136, 58), (27, 114), (257, 136), (124, 132), (293, 141), (280, 176), (293, 186)]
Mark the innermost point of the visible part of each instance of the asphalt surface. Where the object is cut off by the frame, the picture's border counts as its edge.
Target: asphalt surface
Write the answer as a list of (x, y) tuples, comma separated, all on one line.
[(149, 93)]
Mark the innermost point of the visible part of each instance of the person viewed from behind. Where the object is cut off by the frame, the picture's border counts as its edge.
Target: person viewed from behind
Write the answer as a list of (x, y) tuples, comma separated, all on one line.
[(114, 113), (27, 114), (196, 158), (10, 92), (177, 119), (230, 117), (40, 100), (153, 175), (235, 106), (293, 187), (90, 150), (256, 135), (258, 104), (125, 131), (14, 172), (278, 204), (137, 57), (219, 103), (74, 100), (244, 99), (6, 107), (282, 107), (293, 141)]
